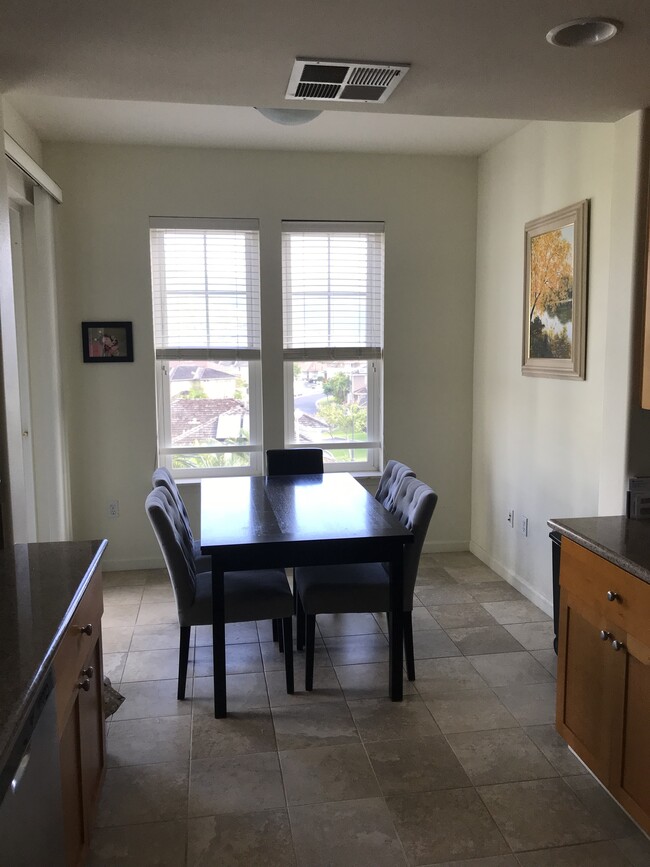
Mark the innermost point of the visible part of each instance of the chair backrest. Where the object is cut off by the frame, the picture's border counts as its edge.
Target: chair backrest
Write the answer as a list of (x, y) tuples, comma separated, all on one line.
[(289, 462), (414, 505), (390, 481), (162, 478), (169, 526)]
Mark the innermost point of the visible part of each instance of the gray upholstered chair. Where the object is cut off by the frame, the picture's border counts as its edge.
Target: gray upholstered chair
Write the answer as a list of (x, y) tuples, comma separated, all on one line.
[(364, 587), (289, 462), (163, 478), (391, 479), (262, 594)]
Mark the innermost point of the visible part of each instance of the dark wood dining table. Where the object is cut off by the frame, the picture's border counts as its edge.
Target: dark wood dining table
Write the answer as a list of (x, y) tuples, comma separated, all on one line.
[(263, 522)]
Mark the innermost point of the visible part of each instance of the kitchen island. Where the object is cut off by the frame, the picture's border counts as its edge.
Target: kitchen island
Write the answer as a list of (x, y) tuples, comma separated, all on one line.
[(603, 691), (50, 633)]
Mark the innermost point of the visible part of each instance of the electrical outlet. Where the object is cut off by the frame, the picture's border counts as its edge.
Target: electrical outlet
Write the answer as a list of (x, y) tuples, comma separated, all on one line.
[(523, 525), (511, 517), (114, 509)]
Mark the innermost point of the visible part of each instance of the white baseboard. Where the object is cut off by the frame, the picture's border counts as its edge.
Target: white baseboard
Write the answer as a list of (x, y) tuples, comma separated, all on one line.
[(518, 583), (109, 565), (438, 547)]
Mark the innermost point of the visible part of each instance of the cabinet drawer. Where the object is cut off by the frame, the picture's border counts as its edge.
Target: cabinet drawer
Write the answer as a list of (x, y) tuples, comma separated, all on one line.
[(76, 646), (591, 578)]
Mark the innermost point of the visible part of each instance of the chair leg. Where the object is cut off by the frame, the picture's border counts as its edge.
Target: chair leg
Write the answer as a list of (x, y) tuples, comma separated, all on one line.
[(310, 628), (408, 645), (281, 636), (276, 629), (300, 623), (183, 656), (288, 652)]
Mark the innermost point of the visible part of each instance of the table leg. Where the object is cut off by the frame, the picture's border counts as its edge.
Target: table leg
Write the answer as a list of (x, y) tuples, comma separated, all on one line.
[(396, 629), (218, 640)]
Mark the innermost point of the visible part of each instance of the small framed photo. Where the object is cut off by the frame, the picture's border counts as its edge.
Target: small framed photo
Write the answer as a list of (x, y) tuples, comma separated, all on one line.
[(107, 341), (555, 294)]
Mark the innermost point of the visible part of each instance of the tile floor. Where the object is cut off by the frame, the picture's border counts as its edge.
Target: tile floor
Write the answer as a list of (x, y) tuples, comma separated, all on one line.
[(468, 770)]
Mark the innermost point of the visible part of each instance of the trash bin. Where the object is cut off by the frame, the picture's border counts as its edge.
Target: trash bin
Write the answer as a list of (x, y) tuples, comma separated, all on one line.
[(556, 539)]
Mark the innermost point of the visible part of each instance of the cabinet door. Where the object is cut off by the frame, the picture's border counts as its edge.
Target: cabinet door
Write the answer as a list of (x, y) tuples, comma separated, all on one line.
[(631, 779), (70, 753), (591, 677), (92, 737)]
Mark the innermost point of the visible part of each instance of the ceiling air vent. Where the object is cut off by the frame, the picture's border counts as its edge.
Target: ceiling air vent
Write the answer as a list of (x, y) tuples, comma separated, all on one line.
[(344, 80)]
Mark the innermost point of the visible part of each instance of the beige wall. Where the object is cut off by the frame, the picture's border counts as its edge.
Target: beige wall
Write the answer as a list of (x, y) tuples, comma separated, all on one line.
[(429, 207), (547, 447)]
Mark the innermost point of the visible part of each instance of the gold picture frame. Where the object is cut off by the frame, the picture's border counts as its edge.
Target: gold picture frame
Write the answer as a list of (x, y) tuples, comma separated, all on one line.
[(555, 293)]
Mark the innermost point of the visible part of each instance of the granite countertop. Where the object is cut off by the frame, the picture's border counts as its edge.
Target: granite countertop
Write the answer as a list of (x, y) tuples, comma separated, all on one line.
[(622, 541), (40, 586)]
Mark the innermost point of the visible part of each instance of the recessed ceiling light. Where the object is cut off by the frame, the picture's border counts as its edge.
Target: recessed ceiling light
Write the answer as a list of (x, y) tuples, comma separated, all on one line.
[(583, 31), (289, 116)]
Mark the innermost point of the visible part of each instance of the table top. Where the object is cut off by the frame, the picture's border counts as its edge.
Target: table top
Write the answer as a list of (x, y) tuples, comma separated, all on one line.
[(259, 510)]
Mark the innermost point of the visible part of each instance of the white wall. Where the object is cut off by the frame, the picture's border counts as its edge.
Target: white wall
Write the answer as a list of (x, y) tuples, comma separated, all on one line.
[(21, 132), (549, 447), (429, 208)]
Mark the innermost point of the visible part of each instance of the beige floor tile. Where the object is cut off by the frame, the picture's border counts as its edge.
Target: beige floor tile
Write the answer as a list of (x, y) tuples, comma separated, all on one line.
[(380, 719), (161, 636), (533, 636), (145, 741), (154, 698), (155, 844), (547, 658), (308, 725), (116, 639), (342, 834), (454, 560), (602, 806), (123, 579), (152, 665), (158, 593), (530, 704), (510, 669), (477, 574), (355, 649), (464, 614), (144, 793), (314, 775), (421, 620), (346, 624), (437, 676), (114, 666), (636, 849), (129, 595), (240, 659), (326, 685), (499, 756), (235, 784), (416, 765), (449, 594), (366, 681), (494, 591), (432, 645), (495, 861), (241, 840), (483, 639), (446, 825), (469, 711), (157, 612), (243, 692), (515, 612), (120, 615), (540, 814), (556, 750), (240, 733), (603, 854)]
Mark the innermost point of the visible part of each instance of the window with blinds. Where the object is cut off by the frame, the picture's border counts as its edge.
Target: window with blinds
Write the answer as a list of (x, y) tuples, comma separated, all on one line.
[(206, 309), (333, 291)]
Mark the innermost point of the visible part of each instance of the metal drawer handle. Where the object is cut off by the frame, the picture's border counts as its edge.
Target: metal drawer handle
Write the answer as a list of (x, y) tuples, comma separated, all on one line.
[(612, 595), (87, 629), (84, 684), (604, 635), (617, 645), (88, 672)]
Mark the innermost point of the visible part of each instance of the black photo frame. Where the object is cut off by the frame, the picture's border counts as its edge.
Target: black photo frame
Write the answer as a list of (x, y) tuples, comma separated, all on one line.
[(107, 341)]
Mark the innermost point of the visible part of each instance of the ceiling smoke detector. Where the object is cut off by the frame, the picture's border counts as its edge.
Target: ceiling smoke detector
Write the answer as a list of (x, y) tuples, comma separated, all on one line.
[(344, 80), (583, 31)]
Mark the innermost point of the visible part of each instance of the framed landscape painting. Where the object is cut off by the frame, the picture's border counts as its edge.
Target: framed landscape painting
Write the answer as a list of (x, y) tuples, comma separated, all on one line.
[(555, 294), (107, 341)]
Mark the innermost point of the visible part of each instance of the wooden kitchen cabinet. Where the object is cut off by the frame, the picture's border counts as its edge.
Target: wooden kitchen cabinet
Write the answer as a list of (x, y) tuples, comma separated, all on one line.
[(603, 697), (80, 719)]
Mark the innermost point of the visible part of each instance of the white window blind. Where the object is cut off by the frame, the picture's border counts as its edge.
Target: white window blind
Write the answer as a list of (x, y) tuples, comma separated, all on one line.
[(333, 286), (206, 288)]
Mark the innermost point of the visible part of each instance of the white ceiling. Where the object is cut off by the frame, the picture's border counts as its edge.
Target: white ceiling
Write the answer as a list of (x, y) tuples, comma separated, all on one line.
[(157, 71)]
